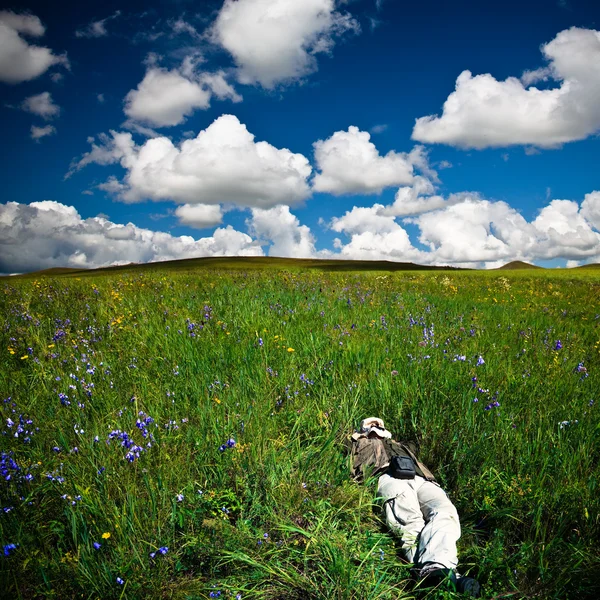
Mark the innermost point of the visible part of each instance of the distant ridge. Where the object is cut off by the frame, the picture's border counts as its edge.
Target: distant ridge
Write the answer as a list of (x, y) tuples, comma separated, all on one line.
[(248, 262), (517, 264), (590, 266)]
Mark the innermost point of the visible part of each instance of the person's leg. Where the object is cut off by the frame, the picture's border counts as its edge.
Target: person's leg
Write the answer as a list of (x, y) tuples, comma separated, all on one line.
[(402, 511), (437, 543)]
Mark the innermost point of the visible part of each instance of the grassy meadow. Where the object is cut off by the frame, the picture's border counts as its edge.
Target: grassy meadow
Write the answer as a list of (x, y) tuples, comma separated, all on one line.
[(180, 433)]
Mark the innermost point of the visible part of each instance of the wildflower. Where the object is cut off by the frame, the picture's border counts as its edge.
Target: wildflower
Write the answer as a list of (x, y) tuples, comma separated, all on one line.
[(97, 545), (558, 345), (163, 550), (105, 535), (480, 361), (8, 548), (394, 373), (180, 497), (291, 350), (120, 581)]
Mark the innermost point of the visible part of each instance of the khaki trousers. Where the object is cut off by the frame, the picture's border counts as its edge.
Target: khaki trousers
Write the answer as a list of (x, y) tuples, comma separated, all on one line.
[(421, 514)]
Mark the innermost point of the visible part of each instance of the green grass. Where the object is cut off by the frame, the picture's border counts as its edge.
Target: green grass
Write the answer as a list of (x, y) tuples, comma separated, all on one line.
[(286, 361)]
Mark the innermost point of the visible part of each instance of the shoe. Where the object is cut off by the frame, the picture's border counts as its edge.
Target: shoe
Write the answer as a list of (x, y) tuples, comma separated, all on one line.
[(443, 578), (468, 586)]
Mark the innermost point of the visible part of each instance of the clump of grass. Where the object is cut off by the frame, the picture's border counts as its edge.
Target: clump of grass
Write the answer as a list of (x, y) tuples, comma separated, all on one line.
[(175, 434)]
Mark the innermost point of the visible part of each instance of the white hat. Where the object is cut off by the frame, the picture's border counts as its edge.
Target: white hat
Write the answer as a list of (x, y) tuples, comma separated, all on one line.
[(374, 425)]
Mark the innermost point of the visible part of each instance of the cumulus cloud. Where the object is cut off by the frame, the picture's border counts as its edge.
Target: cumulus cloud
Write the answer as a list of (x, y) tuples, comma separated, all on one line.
[(199, 216), (276, 41), (279, 227), (41, 105), (373, 236), (590, 209), (483, 112), (49, 234), (223, 164), (96, 29), (165, 98), (37, 133), (467, 230), (351, 164), (563, 231), (19, 60), (476, 230)]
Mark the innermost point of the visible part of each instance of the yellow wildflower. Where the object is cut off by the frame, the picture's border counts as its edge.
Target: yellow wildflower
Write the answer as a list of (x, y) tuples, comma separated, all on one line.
[(291, 350), (24, 357), (105, 535)]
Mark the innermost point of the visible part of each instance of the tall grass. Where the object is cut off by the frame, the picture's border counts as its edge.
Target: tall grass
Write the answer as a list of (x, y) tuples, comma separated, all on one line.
[(181, 435)]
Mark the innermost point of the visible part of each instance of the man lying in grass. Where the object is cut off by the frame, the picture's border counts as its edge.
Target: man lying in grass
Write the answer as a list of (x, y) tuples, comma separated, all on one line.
[(415, 506)]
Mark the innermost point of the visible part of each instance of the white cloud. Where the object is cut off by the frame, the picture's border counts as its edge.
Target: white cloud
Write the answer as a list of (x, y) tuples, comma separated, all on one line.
[(41, 105), (476, 230), (378, 128), (199, 216), (48, 234), (100, 98), (96, 29), (38, 133), (275, 41), (110, 150), (563, 231), (373, 236), (23, 23), (590, 209), (180, 25), (466, 230), (364, 219), (166, 98), (418, 198), (223, 164), (351, 164), (283, 230), (483, 112), (19, 60)]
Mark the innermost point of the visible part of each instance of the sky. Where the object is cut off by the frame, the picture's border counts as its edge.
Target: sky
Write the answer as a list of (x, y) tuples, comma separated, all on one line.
[(461, 134)]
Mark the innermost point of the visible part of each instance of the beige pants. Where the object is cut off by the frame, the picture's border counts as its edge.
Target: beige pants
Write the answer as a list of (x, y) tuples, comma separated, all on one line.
[(420, 513)]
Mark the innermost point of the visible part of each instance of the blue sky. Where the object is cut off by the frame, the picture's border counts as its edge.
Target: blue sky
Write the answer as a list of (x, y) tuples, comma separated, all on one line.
[(459, 133)]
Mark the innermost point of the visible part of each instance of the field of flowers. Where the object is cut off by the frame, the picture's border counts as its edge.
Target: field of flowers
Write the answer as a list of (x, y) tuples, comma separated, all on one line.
[(181, 434)]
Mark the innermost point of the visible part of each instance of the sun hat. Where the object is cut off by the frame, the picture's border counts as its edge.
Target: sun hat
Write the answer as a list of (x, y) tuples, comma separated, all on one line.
[(374, 425)]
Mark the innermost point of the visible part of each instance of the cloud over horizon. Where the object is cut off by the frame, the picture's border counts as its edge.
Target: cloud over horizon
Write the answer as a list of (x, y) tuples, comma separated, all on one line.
[(47, 234)]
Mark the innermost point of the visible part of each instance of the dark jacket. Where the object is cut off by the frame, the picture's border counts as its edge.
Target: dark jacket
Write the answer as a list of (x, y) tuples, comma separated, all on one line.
[(374, 454)]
